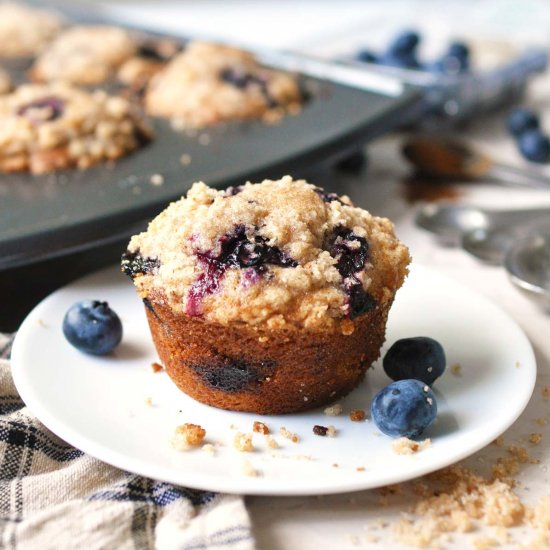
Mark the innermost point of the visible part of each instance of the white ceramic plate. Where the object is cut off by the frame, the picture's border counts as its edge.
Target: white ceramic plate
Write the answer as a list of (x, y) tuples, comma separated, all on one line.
[(99, 404)]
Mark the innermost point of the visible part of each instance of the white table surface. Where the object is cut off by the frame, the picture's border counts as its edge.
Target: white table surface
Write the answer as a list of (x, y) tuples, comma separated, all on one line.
[(342, 521)]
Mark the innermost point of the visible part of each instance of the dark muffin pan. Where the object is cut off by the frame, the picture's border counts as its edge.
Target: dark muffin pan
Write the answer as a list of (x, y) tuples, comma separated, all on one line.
[(53, 215)]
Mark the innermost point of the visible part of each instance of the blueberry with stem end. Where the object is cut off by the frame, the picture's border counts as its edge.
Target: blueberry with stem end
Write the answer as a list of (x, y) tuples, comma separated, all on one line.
[(421, 358), (404, 408), (520, 120), (93, 327), (534, 146)]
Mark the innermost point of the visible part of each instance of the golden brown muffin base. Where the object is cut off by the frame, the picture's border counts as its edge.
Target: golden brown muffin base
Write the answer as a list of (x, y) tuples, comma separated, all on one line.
[(244, 368)]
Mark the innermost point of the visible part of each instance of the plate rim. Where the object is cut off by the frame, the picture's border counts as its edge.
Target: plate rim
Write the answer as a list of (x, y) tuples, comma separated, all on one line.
[(250, 486)]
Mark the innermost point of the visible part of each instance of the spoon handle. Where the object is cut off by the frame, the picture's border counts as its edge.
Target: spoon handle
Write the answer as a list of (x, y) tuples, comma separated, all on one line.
[(512, 176)]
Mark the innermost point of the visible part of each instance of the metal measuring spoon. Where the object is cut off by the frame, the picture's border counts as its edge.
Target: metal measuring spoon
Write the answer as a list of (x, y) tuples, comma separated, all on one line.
[(440, 157), (528, 265), (451, 222)]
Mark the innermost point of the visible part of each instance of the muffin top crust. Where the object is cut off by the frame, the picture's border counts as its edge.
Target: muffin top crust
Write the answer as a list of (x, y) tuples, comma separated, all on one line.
[(210, 83), (280, 254), (45, 127), (25, 30), (84, 55)]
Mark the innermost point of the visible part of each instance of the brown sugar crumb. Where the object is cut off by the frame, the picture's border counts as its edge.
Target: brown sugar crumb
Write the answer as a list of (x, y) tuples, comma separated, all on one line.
[(289, 435), (149, 401), (499, 441), (360, 468), (187, 435), (243, 442), (539, 515), (461, 500), (336, 465), (157, 367), (357, 415), (331, 431), (535, 438), (541, 421), (546, 391), (271, 442), (260, 427), (521, 453), (406, 446), (334, 410), (505, 467), (456, 369), (320, 430)]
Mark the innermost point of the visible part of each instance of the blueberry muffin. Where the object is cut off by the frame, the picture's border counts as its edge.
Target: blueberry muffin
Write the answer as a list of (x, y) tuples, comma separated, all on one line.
[(84, 55), (270, 297), (24, 31), (44, 128), (151, 56), (210, 83)]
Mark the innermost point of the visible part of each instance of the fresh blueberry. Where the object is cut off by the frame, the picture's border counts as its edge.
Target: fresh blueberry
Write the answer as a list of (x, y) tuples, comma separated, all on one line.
[(455, 60), (459, 49), (92, 327), (404, 408), (404, 43), (421, 358), (366, 56), (534, 146), (520, 120)]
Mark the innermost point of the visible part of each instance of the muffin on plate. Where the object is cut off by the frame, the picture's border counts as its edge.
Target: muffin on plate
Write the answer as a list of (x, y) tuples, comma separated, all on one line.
[(211, 83), (44, 128), (269, 297), (84, 55), (24, 31)]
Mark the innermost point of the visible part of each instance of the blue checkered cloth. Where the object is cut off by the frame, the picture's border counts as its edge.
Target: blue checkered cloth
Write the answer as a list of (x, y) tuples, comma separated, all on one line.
[(53, 496)]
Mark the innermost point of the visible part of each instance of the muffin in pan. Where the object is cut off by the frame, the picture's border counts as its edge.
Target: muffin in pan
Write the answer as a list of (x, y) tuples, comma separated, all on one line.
[(84, 55), (44, 128), (211, 83), (24, 30), (270, 297)]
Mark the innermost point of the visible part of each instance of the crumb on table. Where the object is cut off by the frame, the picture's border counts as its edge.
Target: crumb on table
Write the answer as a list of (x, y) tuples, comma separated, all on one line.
[(271, 442), (331, 431), (249, 470), (188, 435), (243, 442), (289, 435), (157, 367), (499, 441), (320, 430), (260, 427), (406, 446), (535, 438), (334, 410), (357, 415), (456, 369), (546, 391)]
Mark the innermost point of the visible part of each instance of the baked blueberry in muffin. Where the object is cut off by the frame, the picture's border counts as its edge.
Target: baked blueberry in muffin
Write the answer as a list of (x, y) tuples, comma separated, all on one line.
[(269, 297)]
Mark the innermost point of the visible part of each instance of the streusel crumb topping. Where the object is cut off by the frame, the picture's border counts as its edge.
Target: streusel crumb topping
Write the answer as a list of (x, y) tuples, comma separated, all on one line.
[(280, 253)]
